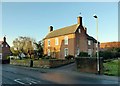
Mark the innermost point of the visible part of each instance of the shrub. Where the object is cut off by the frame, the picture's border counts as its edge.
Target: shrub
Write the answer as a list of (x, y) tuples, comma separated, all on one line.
[(68, 57), (46, 57), (108, 54), (83, 54)]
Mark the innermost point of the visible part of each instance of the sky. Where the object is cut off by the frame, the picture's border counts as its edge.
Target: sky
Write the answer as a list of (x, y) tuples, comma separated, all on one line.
[(32, 19)]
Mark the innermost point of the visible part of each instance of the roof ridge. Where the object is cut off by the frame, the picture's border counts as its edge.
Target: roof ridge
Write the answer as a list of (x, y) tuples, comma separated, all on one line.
[(62, 31), (65, 27)]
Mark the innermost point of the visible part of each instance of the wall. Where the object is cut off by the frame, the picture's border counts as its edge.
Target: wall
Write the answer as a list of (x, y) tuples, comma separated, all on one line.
[(41, 63), (88, 65), (59, 49)]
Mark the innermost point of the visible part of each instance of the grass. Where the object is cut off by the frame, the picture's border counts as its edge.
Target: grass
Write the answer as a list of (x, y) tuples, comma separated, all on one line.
[(112, 68)]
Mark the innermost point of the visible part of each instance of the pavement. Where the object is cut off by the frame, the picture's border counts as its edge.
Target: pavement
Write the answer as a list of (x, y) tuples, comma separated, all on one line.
[(62, 75)]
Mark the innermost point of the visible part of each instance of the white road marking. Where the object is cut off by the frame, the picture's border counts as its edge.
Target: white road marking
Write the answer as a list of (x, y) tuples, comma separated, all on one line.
[(28, 80), (17, 80), (33, 82)]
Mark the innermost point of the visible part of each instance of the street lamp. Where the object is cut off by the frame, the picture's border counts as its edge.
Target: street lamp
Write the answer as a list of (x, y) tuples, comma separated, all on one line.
[(98, 60)]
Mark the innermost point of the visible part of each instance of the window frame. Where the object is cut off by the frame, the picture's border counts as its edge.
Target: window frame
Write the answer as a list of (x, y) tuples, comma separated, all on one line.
[(48, 52), (65, 54), (56, 41), (48, 42), (89, 42), (66, 40)]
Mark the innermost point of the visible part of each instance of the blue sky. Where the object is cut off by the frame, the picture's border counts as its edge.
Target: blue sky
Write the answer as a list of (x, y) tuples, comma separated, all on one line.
[(33, 18)]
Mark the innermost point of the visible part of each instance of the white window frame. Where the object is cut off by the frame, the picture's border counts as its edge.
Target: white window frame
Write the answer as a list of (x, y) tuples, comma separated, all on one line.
[(78, 51), (66, 40), (48, 52), (1, 45), (79, 30), (89, 42), (56, 41), (96, 45), (0, 55), (48, 42), (90, 52), (66, 52), (6, 45)]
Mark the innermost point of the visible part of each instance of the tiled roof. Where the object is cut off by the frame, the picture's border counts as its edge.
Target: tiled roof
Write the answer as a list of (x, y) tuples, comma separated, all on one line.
[(91, 38), (63, 31)]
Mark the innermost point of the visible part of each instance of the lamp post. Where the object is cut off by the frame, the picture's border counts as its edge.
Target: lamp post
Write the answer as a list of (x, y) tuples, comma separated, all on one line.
[(98, 59)]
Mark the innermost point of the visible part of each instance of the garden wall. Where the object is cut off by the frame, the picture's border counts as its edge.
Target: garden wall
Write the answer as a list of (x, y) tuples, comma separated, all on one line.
[(89, 65), (41, 63), (20, 62)]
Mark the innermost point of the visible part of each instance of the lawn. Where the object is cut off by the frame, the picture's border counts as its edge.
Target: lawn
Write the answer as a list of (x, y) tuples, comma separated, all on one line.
[(112, 68)]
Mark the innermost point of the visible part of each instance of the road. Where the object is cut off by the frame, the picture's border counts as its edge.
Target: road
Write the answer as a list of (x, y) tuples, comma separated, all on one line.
[(63, 75)]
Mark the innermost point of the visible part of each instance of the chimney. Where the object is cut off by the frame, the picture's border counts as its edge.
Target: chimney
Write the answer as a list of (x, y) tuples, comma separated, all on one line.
[(4, 39), (79, 20), (50, 28)]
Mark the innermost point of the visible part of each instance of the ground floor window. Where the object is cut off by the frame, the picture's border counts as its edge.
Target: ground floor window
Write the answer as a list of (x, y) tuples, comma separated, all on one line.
[(0, 56), (90, 52), (66, 51), (48, 52), (78, 51)]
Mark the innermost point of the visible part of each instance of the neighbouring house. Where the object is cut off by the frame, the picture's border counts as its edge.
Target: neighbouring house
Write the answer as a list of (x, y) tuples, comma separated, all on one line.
[(4, 50), (70, 40), (106, 45)]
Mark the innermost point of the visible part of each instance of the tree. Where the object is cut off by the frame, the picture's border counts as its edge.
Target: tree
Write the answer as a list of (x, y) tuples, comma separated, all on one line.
[(23, 45), (39, 49)]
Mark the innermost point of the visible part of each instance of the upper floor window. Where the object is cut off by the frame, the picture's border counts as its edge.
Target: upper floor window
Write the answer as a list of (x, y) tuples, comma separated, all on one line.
[(48, 42), (6, 45), (56, 41), (66, 40), (89, 42)]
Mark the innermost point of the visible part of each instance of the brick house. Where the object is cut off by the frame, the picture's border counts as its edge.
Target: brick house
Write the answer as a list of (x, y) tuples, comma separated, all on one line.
[(70, 40), (109, 45), (4, 50)]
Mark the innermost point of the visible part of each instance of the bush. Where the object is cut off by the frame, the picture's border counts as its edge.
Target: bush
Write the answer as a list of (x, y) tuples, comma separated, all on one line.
[(83, 54), (68, 57), (109, 54), (46, 57)]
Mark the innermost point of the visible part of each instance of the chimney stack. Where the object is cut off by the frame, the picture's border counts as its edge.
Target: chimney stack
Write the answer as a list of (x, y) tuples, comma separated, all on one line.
[(4, 39), (50, 28), (79, 20)]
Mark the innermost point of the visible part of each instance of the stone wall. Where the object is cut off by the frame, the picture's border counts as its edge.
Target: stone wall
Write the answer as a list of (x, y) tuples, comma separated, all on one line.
[(89, 65)]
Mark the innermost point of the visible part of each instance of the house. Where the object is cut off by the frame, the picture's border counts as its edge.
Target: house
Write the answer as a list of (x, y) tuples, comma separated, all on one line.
[(70, 40), (4, 50), (106, 45)]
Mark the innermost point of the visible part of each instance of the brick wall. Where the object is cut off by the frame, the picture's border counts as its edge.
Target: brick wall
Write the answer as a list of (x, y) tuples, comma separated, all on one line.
[(89, 65)]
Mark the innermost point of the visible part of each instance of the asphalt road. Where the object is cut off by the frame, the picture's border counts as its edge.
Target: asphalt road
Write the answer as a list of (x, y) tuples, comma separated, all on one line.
[(12, 75)]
